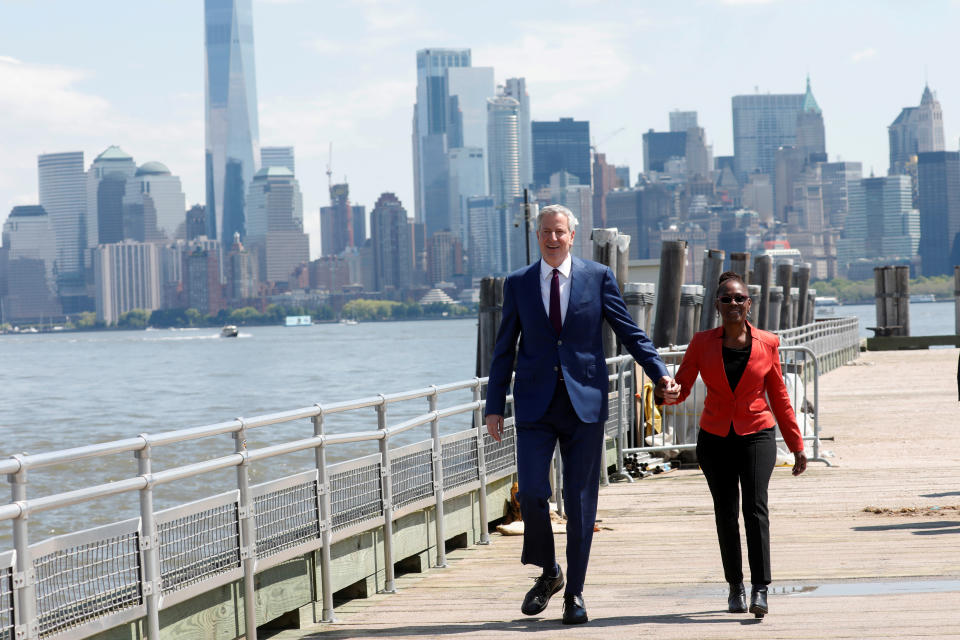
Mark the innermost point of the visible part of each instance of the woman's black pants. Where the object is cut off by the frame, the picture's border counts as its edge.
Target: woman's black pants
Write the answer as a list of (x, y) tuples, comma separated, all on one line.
[(732, 464)]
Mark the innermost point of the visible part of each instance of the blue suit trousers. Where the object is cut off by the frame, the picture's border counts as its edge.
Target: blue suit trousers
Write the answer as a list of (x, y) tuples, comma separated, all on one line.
[(580, 449)]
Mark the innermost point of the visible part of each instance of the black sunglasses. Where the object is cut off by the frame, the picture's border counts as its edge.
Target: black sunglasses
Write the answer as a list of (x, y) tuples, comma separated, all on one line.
[(737, 298)]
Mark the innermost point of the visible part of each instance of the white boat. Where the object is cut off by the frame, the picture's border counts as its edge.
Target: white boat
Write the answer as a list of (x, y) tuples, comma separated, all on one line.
[(229, 331), (923, 297), (347, 321), (826, 301)]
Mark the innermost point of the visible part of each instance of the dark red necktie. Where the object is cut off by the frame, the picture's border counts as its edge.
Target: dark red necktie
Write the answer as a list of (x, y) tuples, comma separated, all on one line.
[(555, 318)]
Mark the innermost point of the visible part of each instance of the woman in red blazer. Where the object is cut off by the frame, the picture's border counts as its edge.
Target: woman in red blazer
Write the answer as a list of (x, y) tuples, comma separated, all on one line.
[(736, 447)]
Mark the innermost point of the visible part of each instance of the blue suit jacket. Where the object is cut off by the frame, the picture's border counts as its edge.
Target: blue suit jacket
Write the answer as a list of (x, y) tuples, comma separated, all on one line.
[(578, 350)]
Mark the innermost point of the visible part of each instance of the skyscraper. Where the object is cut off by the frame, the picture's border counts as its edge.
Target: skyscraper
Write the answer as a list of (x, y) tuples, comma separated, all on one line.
[(392, 239), (467, 177), (336, 222), (661, 146), (29, 233), (127, 276), (117, 163), (837, 177), (560, 146), (431, 118), (762, 123), (275, 224), (916, 130), (516, 88), (938, 175), (232, 129), (503, 144), (277, 157), (811, 139), (62, 186), (878, 222), (155, 198), (682, 120)]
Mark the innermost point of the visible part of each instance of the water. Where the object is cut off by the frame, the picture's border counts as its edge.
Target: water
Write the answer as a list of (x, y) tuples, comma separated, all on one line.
[(64, 390), (926, 319)]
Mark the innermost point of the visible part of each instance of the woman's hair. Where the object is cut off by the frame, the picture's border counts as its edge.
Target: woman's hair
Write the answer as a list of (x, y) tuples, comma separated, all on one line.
[(729, 275)]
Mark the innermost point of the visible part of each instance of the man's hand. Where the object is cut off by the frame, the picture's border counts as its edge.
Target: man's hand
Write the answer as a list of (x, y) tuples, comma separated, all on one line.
[(799, 463), (668, 389), (495, 426)]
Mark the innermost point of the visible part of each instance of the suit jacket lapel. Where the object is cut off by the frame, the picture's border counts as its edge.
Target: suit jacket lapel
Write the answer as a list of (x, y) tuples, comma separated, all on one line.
[(577, 284)]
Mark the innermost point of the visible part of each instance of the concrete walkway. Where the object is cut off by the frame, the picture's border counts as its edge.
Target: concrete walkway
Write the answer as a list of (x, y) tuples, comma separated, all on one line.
[(839, 571)]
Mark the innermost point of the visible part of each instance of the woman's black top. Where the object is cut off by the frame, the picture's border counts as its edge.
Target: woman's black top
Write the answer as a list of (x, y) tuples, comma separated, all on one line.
[(735, 363)]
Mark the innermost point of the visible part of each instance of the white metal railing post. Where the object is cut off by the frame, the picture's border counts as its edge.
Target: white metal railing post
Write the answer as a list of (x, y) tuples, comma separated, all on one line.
[(326, 519), (479, 427), (438, 481), (149, 542), (622, 404), (387, 495), (248, 534), (26, 624)]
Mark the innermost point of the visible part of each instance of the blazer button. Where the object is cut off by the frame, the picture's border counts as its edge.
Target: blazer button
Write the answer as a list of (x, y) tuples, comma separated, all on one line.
[(559, 342), (556, 368)]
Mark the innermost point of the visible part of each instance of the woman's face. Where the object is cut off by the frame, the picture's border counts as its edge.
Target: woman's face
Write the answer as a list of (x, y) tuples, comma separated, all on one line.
[(733, 302)]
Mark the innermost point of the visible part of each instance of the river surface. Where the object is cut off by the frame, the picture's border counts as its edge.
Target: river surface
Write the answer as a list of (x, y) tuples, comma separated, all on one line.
[(62, 390)]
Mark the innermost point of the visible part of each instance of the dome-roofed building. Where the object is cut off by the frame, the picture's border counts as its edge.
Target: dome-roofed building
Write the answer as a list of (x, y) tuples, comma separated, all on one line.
[(153, 168)]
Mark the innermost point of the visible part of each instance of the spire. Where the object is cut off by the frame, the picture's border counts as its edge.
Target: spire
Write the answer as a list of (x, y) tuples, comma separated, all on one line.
[(928, 97), (809, 102)]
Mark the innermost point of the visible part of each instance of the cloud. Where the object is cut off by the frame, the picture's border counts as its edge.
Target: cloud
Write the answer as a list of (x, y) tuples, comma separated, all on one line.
[(863, 54)]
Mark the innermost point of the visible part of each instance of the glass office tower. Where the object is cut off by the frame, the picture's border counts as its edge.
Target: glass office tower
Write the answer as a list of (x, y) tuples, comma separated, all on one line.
[(232, 132)]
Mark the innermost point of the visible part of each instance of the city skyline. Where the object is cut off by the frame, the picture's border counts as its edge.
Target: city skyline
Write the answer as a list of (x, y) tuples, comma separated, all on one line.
[(620, 67)]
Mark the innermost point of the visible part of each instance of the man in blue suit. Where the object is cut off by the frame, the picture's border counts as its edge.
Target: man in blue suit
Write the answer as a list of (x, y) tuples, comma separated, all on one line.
[(556, 307)]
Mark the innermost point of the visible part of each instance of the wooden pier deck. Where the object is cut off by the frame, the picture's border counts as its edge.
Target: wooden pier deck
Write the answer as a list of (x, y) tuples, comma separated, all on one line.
[(839, 571)]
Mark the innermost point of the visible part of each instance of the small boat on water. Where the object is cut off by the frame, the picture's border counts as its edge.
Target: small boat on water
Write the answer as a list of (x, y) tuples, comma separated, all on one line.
[(923, 297), (825, 301), (229, 331), (347, 321)]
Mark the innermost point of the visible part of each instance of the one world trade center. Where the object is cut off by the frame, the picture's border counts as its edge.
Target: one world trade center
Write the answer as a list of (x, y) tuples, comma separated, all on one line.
[(232, 133)]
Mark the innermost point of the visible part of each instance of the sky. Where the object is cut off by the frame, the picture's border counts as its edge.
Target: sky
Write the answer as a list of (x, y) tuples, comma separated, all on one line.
[(81, 76)]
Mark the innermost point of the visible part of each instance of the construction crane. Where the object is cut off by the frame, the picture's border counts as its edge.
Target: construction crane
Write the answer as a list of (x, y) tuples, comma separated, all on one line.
[(607, 137)]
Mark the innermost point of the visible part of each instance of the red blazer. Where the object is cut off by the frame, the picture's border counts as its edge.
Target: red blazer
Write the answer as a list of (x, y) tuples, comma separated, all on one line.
[(747, 407)]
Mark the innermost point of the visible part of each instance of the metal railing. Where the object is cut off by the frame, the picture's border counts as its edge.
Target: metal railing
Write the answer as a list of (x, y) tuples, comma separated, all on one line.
[(78, 584)]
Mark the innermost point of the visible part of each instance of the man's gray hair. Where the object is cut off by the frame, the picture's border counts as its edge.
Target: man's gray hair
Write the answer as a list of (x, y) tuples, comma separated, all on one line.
[(558, 210)]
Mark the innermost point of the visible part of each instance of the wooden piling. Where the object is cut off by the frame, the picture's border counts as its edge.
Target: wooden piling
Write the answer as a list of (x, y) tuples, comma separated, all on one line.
[(902, 278), (712, 267), (763, 272), (673, 254), (490, 310), (785, 282), (690, 296), (740, 263), (605, 252), (754, 290), (803, 285), (878, 297), (774, 308), (890, 299)]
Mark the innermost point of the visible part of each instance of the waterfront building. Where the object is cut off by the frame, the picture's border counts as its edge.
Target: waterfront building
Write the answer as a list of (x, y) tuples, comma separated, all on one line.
[(201, 279), (444, 257), (682, 120), (275, 224), (916, 130), (232, 125), (30, 244), (516, 88), (278, 157), (485, 224), (391, 234), (337, 222), (154, 205), (126, 277), (503, 147), (563, 145), (430, 123), (105, 201), (468, 178), (63, 195), (638, 212), (242, 281), (938, 178)]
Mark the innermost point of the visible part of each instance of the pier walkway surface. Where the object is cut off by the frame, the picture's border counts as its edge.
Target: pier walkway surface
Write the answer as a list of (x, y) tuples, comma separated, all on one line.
[(839, 571)]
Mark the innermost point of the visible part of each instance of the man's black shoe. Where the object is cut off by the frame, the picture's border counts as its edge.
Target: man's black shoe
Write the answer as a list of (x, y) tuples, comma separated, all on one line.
[(574, 611), (737, 600), (538, 597), (758, 600)]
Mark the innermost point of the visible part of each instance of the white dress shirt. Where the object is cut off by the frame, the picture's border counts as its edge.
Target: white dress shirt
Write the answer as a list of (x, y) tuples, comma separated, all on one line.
[(546, 275)]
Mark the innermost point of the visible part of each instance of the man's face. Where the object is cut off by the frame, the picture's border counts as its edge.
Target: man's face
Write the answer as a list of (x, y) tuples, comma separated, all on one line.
[(555, 238)]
